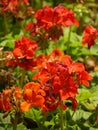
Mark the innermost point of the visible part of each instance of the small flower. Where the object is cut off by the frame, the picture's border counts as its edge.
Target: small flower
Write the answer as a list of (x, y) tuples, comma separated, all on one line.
[(23, 54), (90, 35), (24, 48), (5, 104), (83, 78), (33, 95)]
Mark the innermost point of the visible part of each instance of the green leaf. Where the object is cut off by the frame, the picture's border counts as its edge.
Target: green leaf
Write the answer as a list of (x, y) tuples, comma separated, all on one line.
[(81, 114), (84, 94), (35, 114)]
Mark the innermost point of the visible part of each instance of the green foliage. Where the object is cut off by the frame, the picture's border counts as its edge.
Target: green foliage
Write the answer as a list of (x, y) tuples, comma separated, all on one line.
[(84, 118)]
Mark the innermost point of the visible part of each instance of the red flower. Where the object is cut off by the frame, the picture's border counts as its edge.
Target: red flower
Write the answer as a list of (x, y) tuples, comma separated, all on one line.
[(9, 98), (64, 16), (23, 54), (44, 17), (60, 78), (48, 17), (50, 21), (33, 96), (90, 35), (24, 48), (5, 104), (12, 5), (69, 90), (56, 53), (83, 78), (76, 67)]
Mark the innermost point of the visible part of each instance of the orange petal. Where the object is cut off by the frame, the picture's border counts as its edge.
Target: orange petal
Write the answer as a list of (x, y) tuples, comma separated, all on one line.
[(25, 106)]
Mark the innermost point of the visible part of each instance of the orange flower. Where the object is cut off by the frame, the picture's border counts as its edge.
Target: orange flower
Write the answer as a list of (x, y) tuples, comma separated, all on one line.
[(18, 93), (25, 106), (5, 104), (24, 48), (33, 96)]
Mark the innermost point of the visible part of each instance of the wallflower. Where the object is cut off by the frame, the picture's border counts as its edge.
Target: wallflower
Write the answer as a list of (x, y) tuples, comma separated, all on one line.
[(90, 35)]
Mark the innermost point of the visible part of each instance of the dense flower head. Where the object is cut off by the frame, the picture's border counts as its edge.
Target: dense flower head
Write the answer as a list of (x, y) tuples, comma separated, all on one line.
[(50, 21), (23, 53), (59, 15), (90, 35), (33, 95), (60, 78), (5, 100), (24, 48), (12, 5), (10, 98)]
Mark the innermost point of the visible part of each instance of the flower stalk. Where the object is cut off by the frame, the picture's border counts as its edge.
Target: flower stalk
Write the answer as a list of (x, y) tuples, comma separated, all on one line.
[(61, 116), (22, 78), (15, 122)]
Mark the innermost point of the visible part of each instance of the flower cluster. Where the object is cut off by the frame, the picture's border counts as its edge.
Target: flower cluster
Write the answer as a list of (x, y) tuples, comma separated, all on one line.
[(33, 95), (90, 35), (23, 53), (57, 80), (22, 99), (50, 21), (60, 78)]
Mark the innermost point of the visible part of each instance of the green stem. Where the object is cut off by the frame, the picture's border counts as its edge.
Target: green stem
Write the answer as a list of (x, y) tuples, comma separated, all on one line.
[(41, 3), (22, 78), (69, 35), (6, 24), (68, 41), (15, 122), (61, 116)]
